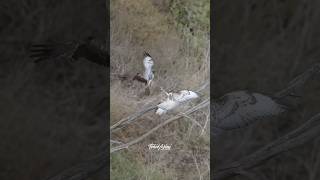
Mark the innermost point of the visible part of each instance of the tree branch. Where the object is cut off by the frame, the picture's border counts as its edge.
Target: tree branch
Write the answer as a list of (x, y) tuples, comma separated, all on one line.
[(191, 110), (128, 119), (84, 170), (295, 138), (125, 121)]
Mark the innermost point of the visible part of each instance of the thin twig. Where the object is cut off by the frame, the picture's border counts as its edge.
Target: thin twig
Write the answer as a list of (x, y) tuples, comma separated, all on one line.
[(205, 125), (131, 118), (191, 110), (297, 137), (84, 170), (191, 119), (197, 166), (115, 142), (125, 121)]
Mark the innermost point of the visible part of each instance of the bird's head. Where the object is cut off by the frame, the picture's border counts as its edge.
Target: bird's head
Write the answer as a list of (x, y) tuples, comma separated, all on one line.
[(145, 54), (147, 59)]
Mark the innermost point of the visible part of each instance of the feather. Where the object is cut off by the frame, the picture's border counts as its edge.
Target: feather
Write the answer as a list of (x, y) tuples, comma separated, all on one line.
[(148, 72), (174, 100), (242, 108), (145, 54), (89, 50), (137, 77), (161, 111)]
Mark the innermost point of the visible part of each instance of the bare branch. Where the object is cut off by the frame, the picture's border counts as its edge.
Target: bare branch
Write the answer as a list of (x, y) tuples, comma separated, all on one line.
[(128, 119), (123, 122), (299, 81), (197, 166), (295, 138), (191, 110), (84, 170), (115, 142), (205, 125), (191, 119)]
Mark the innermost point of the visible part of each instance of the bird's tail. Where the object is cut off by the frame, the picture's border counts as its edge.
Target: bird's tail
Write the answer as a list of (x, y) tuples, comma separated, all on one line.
[(147, 91), (160, 111), (296, 84)]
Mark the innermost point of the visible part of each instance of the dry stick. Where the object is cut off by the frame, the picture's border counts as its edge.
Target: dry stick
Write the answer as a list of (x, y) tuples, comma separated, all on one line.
[(191, 110), (301, 41), (208, 169), (195, 162), (115, 142), (205, 124), (190, 118), (120, 124), (299, 81), (295, 138), (84, 170), (131, 118)]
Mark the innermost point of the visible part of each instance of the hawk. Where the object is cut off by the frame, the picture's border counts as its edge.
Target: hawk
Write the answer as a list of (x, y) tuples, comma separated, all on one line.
[(174, 100), (148, 74), (242, 108)]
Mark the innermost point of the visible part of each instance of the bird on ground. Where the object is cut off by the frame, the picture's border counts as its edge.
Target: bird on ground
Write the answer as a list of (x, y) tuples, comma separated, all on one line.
[(241, 108), (148, 74), (88, 49), (174, 100)]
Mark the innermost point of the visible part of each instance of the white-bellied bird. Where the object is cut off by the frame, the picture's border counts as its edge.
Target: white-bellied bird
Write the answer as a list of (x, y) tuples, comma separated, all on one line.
[(148, 74), (174, 100), (242, 108)]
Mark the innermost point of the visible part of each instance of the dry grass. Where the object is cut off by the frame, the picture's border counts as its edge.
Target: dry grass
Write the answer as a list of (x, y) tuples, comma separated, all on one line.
[(138, 26), (50, 115), (261, 46)]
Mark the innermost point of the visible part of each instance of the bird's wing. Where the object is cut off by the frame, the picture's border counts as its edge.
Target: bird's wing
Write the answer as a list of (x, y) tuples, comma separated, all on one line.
[(234, 111), (184, 96), (52, 50), (89, 50), (94, 52), (167, 104), (140, 79)]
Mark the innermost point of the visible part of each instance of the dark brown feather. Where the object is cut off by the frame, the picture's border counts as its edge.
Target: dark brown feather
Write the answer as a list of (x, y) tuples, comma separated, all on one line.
[(137, 77), (88, 50)]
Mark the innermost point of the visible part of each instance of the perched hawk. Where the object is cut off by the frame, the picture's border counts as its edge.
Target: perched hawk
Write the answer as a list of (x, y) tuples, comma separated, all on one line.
[(174, 100), (74, 50), (242, 108), (148, 74)]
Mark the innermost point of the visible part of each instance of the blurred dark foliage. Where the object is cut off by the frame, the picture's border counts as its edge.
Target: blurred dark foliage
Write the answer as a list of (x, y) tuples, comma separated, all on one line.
[(52, 114), (261, 46)]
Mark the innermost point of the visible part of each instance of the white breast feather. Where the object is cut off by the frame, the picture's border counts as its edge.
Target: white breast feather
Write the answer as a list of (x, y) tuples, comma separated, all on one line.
[(148, 64), (176, 100)]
